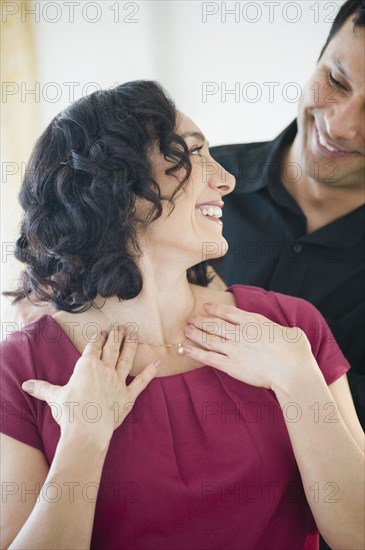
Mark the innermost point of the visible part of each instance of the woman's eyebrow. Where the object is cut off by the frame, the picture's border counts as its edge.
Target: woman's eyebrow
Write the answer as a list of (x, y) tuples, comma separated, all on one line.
[(197, 135)]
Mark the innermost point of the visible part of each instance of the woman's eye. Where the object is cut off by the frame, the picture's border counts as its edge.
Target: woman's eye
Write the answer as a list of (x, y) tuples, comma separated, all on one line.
[(335, 82), (196, 150)]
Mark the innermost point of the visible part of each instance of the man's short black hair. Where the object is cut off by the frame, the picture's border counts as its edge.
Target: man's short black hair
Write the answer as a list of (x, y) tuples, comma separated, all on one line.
[(352, 8)]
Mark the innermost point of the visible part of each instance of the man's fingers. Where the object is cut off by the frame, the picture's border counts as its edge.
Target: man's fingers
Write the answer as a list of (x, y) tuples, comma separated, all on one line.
[(40, 389), (142, 380)]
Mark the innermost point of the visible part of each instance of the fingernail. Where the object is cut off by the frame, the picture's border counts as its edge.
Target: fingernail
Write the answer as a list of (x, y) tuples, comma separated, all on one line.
[(157, 364), (207, 305), (187, 349), (28, 387)]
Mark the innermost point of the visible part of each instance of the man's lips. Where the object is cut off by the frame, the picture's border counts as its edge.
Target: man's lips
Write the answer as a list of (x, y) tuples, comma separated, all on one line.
[(328, 148)]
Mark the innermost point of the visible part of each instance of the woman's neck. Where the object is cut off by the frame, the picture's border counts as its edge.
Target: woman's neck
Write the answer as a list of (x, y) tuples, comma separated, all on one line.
[(157, 314)]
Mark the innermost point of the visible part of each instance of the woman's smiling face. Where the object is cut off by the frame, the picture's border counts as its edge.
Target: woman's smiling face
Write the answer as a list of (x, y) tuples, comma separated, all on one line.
[(194, 226)]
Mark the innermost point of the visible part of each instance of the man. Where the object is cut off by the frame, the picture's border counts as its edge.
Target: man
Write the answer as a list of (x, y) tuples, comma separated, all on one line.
[(295, 222)]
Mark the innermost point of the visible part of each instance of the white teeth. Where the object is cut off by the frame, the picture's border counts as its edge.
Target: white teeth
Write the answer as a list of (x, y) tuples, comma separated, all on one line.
[(213, 211), (325, 144)]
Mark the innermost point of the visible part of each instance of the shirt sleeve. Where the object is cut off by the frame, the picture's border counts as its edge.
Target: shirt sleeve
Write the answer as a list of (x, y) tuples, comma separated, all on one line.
[(302, 314), (19, 417)]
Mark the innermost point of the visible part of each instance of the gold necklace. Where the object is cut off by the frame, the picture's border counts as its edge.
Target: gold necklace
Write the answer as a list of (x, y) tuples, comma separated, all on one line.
[(180, 349)]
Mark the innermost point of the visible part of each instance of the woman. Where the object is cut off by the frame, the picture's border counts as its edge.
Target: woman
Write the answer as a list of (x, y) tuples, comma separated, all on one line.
[(205, 419)]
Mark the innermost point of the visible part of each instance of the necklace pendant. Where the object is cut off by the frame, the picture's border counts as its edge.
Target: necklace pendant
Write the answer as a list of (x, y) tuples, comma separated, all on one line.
[(180, 350)]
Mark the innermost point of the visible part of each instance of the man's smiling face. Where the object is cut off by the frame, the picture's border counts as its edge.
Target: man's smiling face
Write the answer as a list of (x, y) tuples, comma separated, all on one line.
[(331, 117)]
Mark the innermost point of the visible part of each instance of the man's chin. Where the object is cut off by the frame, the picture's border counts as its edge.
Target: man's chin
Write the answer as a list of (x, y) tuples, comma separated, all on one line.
[(328, 174)]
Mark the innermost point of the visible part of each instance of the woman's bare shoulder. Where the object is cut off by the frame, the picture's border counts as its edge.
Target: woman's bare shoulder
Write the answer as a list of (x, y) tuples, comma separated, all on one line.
[(78, 326)]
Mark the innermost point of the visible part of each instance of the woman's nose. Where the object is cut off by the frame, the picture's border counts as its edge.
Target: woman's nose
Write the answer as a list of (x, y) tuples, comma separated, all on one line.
[(219, 178)]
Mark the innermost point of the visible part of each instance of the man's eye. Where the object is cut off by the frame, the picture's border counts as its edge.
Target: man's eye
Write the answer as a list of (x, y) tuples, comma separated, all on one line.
[(196, 150), (335, 82)]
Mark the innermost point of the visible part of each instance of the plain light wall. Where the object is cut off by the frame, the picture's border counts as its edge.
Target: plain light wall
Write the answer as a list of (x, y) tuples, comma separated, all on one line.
[(256, 48)]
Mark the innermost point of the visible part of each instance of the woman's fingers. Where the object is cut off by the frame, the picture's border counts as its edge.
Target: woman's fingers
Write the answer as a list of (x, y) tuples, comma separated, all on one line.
[(142, 380), (111, 349), (40, 389), (94, 348), (216, 326), (211, 358), (126, 356), (223, 311), (207, 340)]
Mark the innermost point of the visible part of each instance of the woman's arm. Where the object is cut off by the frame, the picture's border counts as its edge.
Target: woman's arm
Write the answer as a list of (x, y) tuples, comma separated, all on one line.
[(329, 456), (63, 517), (54, 510)]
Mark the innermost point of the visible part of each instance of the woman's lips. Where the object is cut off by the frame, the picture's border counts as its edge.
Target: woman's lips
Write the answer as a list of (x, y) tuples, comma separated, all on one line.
[(216, 220), (211, 210)]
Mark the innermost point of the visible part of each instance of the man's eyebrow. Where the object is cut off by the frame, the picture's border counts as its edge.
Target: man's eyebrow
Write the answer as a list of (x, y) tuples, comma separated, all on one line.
[(341, 68), (197, 135)]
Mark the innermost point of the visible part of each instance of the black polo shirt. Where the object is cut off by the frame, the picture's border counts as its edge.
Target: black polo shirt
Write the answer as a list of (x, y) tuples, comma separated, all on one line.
[(269, 247)]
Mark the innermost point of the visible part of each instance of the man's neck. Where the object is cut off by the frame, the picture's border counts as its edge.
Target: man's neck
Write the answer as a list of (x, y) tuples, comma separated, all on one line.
[(320, 204)]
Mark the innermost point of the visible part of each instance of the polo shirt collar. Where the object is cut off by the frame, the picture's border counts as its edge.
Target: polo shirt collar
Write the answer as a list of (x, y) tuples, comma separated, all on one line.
[(344, 232), (260, 166)]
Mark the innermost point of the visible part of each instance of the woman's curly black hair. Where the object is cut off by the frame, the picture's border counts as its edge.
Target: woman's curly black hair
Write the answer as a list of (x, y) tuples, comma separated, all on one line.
[(78, 233)]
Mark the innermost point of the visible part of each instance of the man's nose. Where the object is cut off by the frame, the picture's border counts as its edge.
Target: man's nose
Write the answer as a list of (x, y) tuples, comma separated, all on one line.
[(346, 121)]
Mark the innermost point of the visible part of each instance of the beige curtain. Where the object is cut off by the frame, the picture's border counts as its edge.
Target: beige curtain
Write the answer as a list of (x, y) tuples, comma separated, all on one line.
[(19, 127)]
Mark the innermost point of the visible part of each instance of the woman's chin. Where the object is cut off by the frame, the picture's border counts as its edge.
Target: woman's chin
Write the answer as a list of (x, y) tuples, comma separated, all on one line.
[(214, 249)]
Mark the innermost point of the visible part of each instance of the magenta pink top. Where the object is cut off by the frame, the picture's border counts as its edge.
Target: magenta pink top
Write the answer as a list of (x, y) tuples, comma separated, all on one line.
[(203, 462)]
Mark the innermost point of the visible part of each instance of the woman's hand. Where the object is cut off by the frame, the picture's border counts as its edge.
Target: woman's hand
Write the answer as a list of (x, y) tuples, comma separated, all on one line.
[(250, 347), (96, 399)]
